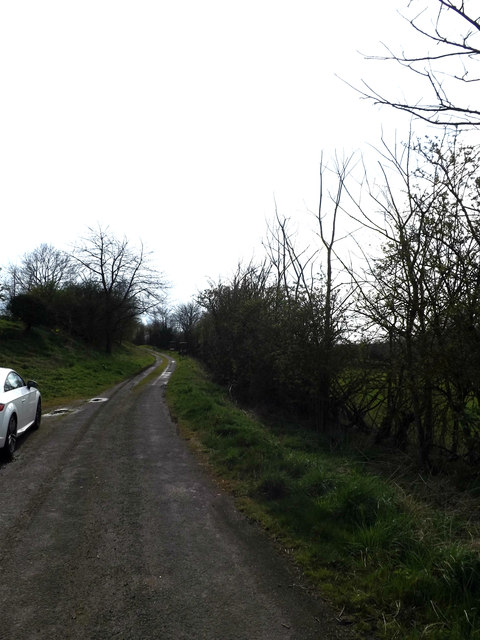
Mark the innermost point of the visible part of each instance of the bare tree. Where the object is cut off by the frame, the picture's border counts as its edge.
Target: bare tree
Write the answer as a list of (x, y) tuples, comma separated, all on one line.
[(337, 293), (3, 290), (449, 64), (186, 317), (313, 295), (4, 293), (45, 270), (294, 268), (129, 286)]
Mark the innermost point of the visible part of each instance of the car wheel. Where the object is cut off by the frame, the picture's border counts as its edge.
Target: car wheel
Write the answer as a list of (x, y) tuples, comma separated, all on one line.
[(11, 440), (38, 415)]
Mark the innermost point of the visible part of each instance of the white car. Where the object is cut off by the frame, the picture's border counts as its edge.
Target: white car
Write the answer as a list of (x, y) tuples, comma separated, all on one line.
[(20, 409)]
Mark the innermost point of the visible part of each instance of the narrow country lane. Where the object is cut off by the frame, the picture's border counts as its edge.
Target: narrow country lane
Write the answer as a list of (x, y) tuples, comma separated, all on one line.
[(110, 528)]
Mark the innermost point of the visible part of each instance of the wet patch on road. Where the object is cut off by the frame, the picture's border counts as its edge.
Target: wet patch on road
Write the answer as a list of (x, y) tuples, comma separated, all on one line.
[(69, 410), (59, 412), (165, 376)]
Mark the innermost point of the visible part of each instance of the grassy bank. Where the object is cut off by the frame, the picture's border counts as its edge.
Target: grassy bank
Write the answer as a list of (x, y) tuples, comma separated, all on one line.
[(65, 369), (397, 566)]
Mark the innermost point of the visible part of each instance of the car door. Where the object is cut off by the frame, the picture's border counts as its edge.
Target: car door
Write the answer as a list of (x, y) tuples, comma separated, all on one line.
[(19, 395), (31, 395)]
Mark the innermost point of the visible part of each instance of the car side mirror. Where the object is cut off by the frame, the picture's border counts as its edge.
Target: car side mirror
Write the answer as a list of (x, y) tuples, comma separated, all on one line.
[(32, 383)]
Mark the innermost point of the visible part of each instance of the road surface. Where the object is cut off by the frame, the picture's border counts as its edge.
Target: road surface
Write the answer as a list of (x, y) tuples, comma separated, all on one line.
[(111, 529)]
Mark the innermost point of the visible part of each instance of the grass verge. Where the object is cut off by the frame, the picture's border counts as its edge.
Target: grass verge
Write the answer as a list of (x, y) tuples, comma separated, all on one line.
[(154, 374), (65, 369), (396, 567)]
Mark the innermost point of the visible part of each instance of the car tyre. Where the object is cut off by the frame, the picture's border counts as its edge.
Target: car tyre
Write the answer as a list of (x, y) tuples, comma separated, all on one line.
[(11, 439), (38, 415)]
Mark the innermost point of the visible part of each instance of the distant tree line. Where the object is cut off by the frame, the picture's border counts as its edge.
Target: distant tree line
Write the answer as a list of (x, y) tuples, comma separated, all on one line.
[(99, 292)]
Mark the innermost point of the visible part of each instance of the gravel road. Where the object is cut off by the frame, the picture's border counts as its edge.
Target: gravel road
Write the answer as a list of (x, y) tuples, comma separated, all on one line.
[(110, 528)]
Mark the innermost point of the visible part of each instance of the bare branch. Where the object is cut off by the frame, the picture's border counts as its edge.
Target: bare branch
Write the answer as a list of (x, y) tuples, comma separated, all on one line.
[(443, 108)]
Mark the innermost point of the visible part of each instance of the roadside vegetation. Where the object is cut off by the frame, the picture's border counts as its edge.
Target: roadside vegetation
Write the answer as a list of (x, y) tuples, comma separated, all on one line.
[(66, 369), (397, 559), (386, 343)]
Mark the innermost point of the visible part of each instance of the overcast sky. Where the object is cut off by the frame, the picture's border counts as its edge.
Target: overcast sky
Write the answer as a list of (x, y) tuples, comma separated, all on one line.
[(180, 123)]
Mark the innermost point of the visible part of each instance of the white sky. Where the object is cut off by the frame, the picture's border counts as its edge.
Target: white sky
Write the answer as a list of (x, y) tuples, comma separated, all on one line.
[(179, 123)]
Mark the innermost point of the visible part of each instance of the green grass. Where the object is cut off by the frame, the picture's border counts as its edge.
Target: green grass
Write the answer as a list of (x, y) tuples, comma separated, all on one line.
[(399, 567), (65, 369), (155, 373)]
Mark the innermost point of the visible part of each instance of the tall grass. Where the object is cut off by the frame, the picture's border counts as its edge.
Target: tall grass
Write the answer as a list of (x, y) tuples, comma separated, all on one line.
[(399, 568), (64, 368)]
